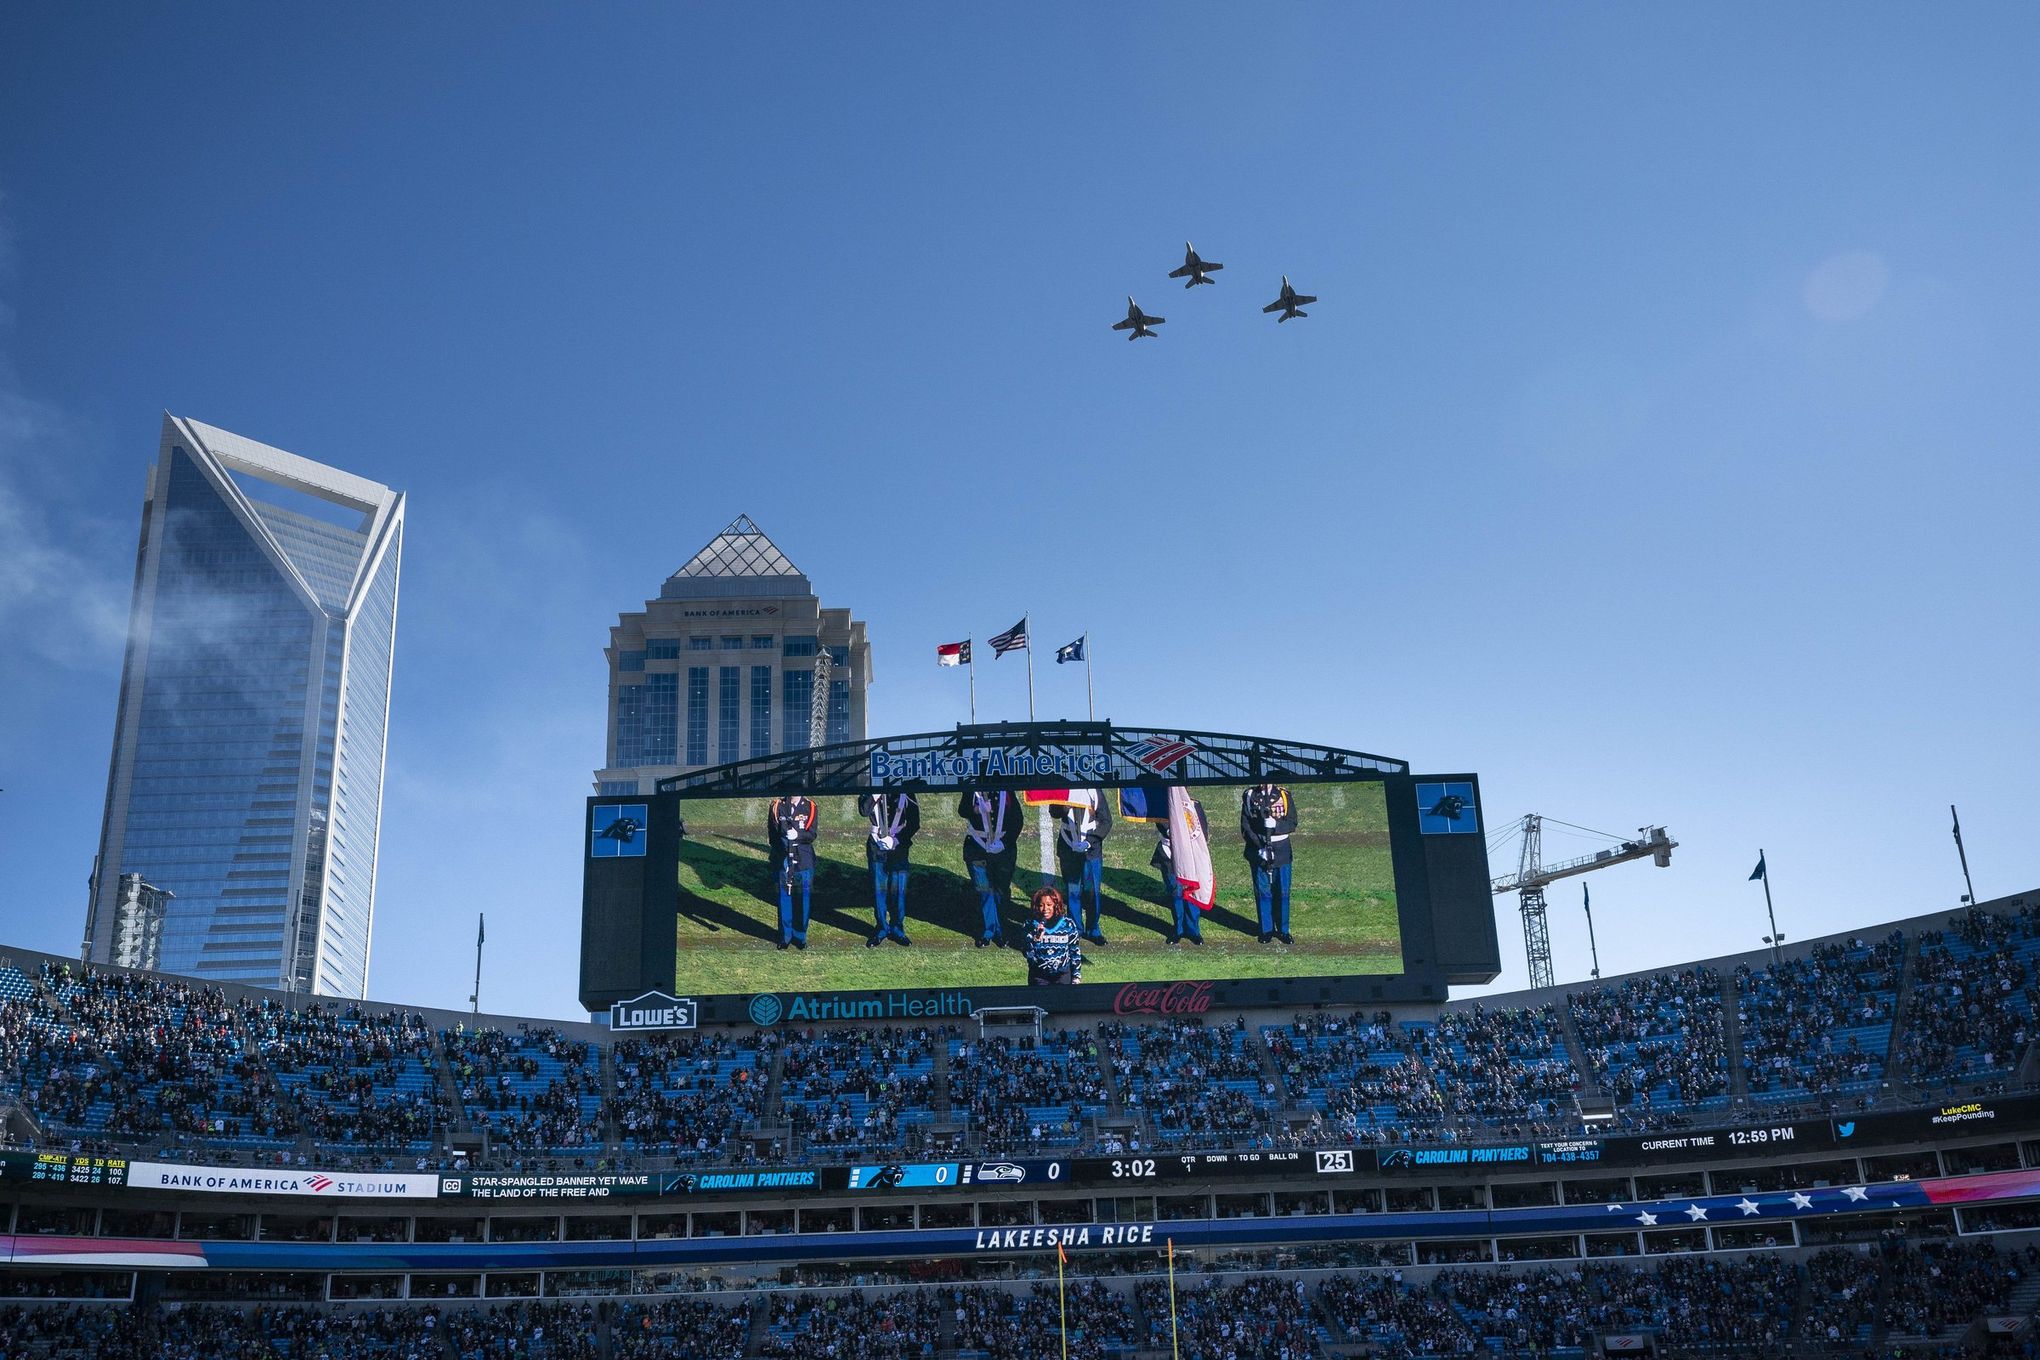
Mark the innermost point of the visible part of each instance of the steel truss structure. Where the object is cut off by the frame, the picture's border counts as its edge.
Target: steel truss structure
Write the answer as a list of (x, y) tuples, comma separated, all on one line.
[(1033, 755)]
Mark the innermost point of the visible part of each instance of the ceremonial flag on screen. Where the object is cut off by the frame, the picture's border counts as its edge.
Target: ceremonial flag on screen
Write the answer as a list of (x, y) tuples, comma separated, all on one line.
[(953, 653), (1056, 797), (1144, 803), (1070, 651), (1012, 640), (1191, 861), (1759, 871)]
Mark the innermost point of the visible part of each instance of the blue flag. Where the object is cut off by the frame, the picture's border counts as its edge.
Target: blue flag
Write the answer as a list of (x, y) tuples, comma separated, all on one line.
[(1070, 651), (1759, 872)]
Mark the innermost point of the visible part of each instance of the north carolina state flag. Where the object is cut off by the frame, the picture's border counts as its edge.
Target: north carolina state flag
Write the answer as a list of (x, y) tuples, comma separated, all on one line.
[(952, 653), (1191, 860)]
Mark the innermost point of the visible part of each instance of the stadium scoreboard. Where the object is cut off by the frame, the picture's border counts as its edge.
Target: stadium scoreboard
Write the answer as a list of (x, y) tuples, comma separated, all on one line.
[(61, 1168)]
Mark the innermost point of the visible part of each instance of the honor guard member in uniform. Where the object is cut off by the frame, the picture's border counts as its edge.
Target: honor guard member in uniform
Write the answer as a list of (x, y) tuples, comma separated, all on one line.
[(891, 819), (1054, 958), (1080, 848), (1267, 821), (790, 829), (991, 845), (1188, 920)]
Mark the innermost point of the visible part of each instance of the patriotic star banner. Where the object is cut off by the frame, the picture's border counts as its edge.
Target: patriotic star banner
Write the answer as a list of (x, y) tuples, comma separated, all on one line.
[(1012, 640)]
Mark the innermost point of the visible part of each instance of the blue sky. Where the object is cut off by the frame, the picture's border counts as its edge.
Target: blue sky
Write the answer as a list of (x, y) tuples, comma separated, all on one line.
[(1662, 447)]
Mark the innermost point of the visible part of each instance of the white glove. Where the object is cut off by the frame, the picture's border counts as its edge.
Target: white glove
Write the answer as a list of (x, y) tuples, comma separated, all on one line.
[(1268, 822), (1082, 843), (995, 847), (886, 842)]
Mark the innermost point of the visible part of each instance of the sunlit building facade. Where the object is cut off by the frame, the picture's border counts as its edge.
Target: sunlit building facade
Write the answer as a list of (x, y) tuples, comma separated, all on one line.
[(247, 771), (723, 666)]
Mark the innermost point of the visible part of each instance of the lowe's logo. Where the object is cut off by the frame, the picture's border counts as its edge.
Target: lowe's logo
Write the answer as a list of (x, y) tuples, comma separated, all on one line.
[(653, 1010)]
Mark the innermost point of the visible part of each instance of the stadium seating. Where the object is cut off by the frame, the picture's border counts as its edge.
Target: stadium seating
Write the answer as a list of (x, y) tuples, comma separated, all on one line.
[(105, 1060), (859, 1088), (1022, 1094)]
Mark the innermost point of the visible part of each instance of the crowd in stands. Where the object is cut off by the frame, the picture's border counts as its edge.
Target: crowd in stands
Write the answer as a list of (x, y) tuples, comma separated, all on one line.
[(1820, 1024), (1505, 1065), (1937, 1285), (680, 1329), (994, 1325), (1973, 998), (352, 1075), (858, 1088), (1261, 1318), (1899, 1297), (105, 1061), (849, 1326), (690, 1095), (1191, 1079), (534, 1087), (1024, 1093), (1655, 1041), (524, 1331)]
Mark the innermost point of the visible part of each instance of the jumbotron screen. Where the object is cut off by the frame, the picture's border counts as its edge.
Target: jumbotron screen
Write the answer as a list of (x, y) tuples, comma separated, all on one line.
[(1152, 884)]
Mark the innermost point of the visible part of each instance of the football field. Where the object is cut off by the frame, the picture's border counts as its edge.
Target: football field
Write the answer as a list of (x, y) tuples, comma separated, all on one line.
[(1343, 913)]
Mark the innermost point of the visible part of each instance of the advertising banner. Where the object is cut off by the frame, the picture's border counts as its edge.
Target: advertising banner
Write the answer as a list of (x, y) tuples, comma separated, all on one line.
[(244, 1180)]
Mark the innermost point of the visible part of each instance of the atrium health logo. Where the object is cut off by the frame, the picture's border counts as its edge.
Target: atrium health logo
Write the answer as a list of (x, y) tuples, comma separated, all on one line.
[(765, 1009)]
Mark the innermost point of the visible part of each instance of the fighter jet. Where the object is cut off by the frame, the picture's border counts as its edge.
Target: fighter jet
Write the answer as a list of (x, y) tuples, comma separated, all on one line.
[(1290, 303), (1138, 322), (1196, 270)]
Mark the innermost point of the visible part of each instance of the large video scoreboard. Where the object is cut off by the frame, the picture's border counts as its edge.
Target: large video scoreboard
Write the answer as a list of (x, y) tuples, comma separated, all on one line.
[(1202, 869)]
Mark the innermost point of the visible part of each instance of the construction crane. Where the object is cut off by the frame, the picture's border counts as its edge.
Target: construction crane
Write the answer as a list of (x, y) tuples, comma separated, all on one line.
[(1532, 875)]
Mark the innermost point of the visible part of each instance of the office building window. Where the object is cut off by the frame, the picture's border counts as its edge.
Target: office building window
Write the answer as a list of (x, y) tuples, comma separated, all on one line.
[(839, 710), (697, 715), (761, 710), (630, 661), (839, 655), (796, 691), (733, 644), (630, 726), (729, 695), (662, 720), (763, 642), (800, 646), (701, 644), (615, 788), (662, 649)]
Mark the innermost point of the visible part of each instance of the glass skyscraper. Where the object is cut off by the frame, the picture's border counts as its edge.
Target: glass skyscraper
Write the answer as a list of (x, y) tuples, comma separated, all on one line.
[(246, 782)]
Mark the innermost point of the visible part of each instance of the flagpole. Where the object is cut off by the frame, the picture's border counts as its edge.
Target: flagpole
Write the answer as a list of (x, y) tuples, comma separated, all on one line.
[(970, 649), (481, 933), (1030, 668), (1090, 695), (1587, 901), (1175, 1349), (1776, 938), (1971, 899)]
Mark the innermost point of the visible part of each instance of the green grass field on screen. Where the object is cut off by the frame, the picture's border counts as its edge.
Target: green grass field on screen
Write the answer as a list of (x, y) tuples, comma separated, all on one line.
[(1343, 914)]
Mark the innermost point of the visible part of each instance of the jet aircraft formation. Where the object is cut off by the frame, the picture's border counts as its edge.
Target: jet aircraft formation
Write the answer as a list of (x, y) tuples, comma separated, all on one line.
[(1195, 270)]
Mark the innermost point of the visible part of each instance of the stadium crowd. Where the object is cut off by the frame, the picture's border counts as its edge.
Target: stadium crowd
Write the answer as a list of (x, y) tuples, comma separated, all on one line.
[(110, 1062)]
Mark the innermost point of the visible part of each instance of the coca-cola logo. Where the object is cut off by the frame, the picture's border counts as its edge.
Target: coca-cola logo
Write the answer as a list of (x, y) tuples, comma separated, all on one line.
[(1150, 998)]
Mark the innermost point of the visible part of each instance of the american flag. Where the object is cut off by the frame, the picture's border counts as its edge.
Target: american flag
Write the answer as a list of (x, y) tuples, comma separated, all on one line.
[(1012, 640)]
